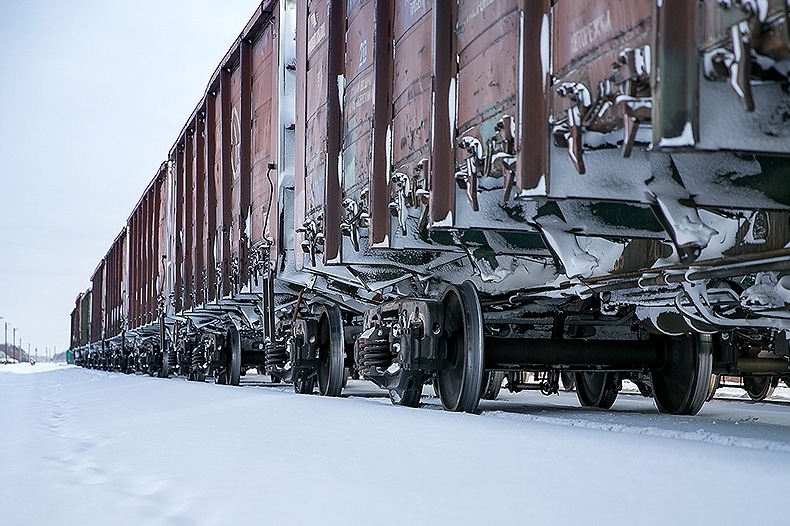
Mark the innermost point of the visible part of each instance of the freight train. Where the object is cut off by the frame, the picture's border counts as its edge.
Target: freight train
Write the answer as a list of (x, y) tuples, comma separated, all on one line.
[(451, 192)]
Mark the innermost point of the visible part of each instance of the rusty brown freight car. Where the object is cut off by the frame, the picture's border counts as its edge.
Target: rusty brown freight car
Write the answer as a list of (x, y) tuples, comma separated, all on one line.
[(453, 192), (225, 166), (114, 285), (80, 328), (95, 347), (148, 246), (76, 324)]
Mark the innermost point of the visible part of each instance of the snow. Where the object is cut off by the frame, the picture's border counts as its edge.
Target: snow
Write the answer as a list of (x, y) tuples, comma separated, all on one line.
[(575, 259), (686, 138), (89, 447), (539, 190), (446, 222)]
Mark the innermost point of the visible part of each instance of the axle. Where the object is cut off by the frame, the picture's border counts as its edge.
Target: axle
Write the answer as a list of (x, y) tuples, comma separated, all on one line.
[(581, 354)]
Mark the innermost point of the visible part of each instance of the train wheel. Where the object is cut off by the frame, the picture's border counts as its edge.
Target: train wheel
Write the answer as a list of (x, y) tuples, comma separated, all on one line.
[(232, 373), (164, 370), (715, 380), (165, 366), (304, 383), (150, 360), (461, 380), (435, 386), (596, 389), (568, 381), (331, 352), (760, 387), (681, 385), (492, 385)]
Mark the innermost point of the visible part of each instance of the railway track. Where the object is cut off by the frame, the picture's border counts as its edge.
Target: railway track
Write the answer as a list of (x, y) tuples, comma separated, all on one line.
[(364, 389)]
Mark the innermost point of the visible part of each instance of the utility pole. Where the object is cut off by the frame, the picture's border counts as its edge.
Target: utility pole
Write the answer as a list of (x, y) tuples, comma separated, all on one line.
[(13, 344), (5, 348)]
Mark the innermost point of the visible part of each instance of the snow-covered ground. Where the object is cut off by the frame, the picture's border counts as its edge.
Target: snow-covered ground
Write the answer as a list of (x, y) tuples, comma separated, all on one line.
[(83, 447)]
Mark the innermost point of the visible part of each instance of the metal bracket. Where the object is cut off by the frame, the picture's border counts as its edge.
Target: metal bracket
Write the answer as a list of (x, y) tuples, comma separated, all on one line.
[(356, 217), (575, 260), (690, 234), (579, 95), (258, 259), (758, 8), (635, 110), (475, 165), (504, 160), (193, 294), (747, 34), (204, 284), (313, 238), (218, 282), (422, 197), (235, 273), (634, 65), (737, 63), (404, 196), (407, 193)]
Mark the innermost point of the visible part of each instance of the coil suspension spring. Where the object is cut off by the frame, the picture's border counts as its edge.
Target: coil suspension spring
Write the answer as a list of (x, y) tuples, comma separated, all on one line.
[(374, 352), (172, 356), (198, 357), (276, 354)]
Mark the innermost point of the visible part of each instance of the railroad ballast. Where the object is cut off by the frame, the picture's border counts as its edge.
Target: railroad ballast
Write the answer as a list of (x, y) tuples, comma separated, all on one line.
[(459, 192)]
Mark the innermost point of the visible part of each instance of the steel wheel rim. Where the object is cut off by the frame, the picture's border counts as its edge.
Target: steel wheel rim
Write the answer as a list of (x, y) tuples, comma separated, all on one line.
[(681, 385), (492, 384), (331, 368), (568, 381), (595, 389), (759, 387), (232, 373), (461, 381)]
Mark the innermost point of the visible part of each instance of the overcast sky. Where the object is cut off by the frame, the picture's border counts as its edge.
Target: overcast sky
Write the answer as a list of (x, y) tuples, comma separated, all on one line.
[(94, 93)]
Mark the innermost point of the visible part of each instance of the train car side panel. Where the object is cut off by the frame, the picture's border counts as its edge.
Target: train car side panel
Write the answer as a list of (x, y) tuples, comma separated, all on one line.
[(265, 138), (358, 107), (742, 75), (76, 323), (488, 42), (601, 58), (188, 232), (411, 119), (238, 186), (210, 202), (199, 208), (96, 317), (115, 262), (85, 318), (317, 170)]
